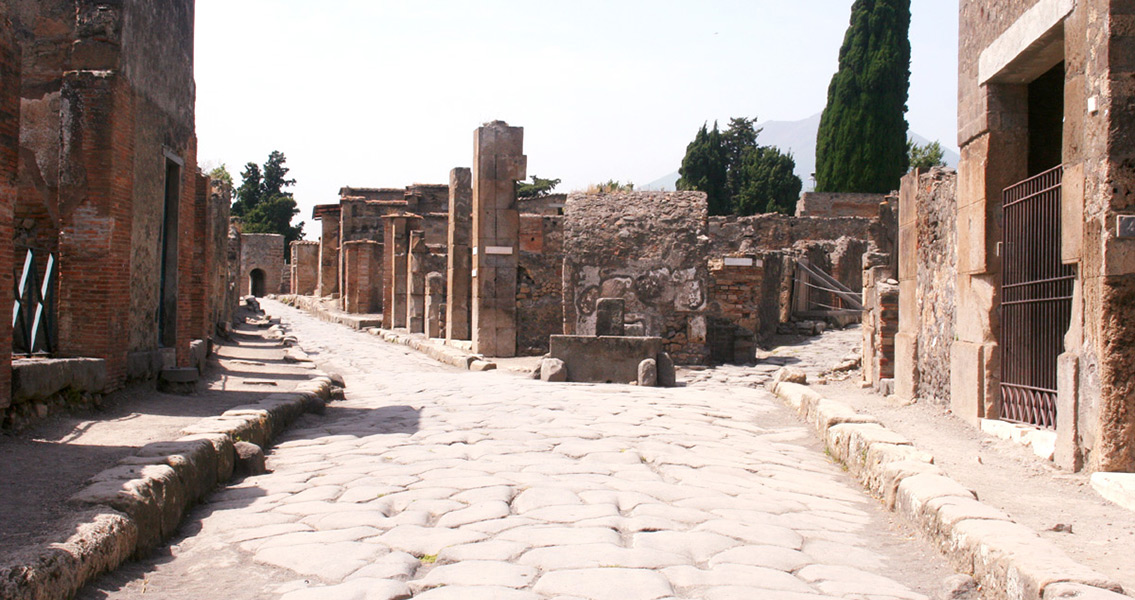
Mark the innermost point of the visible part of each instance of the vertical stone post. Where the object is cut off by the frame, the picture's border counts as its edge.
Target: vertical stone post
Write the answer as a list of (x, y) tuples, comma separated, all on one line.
[(906, 340), (498, 163), (9, 157), (435, 304), (460, 260), (305, 267), (396, 236), (328, 249), (609, 317), (416, 283)]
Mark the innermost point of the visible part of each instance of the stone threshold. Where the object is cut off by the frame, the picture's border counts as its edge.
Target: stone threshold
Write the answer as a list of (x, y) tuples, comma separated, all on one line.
[(1007, 560), (128, 510)]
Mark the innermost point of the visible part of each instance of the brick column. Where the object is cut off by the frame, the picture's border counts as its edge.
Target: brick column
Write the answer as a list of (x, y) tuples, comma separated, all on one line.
[(460, 260), (328, 249), (305, 267), (396, 236), (416, 283), (9, 160), (192, 293), (97, 162), (498, 163)]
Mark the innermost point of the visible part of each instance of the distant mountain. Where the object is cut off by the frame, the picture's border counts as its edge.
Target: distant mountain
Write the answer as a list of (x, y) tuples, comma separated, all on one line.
[(799, 138)]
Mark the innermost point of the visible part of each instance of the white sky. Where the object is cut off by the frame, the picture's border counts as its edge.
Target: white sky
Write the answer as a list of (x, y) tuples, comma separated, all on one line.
[(385, 93)]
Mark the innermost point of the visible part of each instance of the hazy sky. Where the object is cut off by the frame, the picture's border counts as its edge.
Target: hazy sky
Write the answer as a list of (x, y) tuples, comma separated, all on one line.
[(384, 93)]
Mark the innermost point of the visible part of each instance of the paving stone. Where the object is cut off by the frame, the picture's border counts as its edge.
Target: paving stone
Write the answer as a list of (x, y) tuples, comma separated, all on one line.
[(483, 511), (581, 556), (356, 589), (700, 546), (605, 584), (847, 581), (427, 541), (396, 565), (765, 535), (686, 576), (329, 562), (572, 513), (773, 557), (490, 550), (463, 592), (477, 573), (541, 497), (537, 537)]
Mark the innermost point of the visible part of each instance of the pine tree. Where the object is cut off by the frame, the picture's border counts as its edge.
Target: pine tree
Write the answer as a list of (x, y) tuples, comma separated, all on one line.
[(861, 146), (705, 169), (768, 182), (262, 203)]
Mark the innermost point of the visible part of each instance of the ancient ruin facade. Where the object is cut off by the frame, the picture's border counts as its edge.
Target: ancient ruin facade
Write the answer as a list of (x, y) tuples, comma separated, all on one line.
[(1045, 236), (261, 263), (108, 203)]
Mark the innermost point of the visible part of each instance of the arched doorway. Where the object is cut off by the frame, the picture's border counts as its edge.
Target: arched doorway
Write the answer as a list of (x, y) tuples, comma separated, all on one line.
[(256, 282)]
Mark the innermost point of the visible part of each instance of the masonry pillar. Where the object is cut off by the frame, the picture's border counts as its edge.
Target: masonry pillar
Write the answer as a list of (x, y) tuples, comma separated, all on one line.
[(396, 237), (460, 260), (498, 163), (305, 267), (906, 340), (193, 295), (95, 229), (416, 283), (9, 153), (435, 305), (328, 249)]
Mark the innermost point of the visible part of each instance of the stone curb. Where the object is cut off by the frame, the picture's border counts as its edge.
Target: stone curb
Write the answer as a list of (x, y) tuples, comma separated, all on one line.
[(415, 341), (1009, 561), (129, 509)]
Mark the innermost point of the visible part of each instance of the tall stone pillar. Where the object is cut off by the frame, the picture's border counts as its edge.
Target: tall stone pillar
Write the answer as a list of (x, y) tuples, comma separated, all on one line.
[(9, 161), (435, 302), (328, 249), (396, 236), (416, 283), (498, 163), (460, 260)]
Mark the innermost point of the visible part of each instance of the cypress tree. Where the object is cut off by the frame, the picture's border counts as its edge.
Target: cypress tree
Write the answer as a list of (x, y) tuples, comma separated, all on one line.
[(861, 146), (705, 169)]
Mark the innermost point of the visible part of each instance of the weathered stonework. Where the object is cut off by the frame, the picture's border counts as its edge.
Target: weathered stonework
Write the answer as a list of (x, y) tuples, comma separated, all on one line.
[(362, 276), (261, 263), (459, 271), (498, 163), (396, 250), (828, 204), (223, 297), (305, 267), (328, 215), (9, 170), (539, 283), (655, 259)]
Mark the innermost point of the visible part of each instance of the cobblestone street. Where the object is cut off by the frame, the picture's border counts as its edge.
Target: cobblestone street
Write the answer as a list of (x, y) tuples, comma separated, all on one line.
[(437, 483)]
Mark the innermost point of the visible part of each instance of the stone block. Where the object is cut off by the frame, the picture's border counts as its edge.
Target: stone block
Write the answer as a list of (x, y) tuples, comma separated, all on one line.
[(886, 480), (609, 316), (648, 373), (1072, 214), (1077, 591), (798, 396), (908, 252), (553, 370), (967, 392), (971, 239), (604, 359), (916, 491), (1118, 488), (38, 378), (666, 372), (906, 365)]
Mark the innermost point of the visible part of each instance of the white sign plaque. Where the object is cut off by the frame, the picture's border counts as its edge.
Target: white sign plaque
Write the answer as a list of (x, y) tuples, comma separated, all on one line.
[(732, 261), (505, 250)]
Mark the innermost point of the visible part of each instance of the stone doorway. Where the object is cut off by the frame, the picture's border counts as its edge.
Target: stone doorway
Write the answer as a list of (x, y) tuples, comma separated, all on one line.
[(256, 282)]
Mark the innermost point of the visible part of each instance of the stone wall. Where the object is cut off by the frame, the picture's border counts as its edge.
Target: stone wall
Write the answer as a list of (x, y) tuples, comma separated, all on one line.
[(550, 205), (649, 248), (328, 216), (9, 169), (747, 302), (222, 277), (263, 252), (305, 267), (539, 283), (362, 292), (936, 283), (828, 204)]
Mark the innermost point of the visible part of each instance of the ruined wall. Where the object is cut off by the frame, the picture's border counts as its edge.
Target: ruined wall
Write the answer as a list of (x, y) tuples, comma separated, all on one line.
[(936, 282), (423, 199), (263, 252), (363, 280), (9, 169), (222, 278), (748, 300), (831, 204), (651, 250), (235, 252), (550, 205), (305, 267), (328, 216), (539, 281)]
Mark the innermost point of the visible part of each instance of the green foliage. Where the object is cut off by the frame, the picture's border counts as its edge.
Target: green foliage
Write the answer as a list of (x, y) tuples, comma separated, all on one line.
[(925, 157), (861, 146), (738, 175), (610, 187), (705, 169), (537, 189), (768, 182), (262, 203), (221, 173)]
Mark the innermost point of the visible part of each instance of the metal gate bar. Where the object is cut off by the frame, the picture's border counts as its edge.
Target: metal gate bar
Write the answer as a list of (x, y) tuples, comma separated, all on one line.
[(1036, 305)]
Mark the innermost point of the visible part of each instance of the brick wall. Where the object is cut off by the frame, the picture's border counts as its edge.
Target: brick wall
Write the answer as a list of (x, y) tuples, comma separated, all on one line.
[(363, 276), (305, 267), (9, 156), (222, 277)]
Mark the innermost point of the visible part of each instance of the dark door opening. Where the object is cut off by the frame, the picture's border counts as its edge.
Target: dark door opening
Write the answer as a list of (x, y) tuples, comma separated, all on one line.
[(1046, 121), (256, 282), (167, 297)]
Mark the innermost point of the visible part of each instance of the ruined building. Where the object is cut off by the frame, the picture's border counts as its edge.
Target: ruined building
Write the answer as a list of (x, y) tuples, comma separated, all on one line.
[(1017, 292), (100, 195)]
